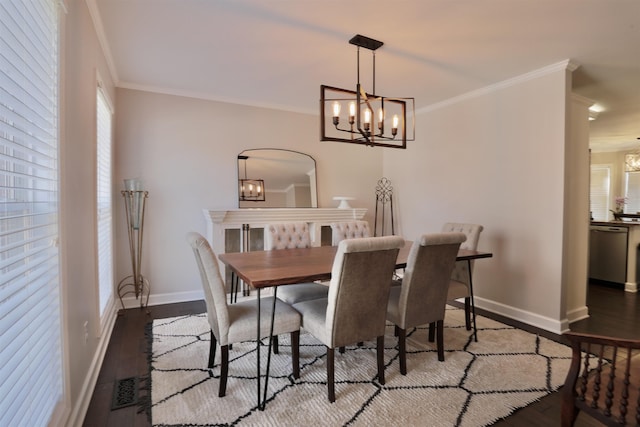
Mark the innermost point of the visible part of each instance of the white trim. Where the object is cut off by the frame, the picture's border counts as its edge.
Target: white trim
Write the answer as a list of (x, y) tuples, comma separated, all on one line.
[(567, 64), (94, 12), (577, 314), (81, 406), (562, 65), (209, 97), (168, 298), (631, 287), (524, 316)]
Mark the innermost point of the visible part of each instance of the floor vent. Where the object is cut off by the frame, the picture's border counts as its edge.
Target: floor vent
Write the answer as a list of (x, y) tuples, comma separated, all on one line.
[(125, 393)]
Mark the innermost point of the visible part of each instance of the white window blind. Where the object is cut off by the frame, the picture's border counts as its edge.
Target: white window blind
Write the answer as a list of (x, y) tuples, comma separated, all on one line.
[(104, 201), (632, 192), (599, 192), (30, 346)]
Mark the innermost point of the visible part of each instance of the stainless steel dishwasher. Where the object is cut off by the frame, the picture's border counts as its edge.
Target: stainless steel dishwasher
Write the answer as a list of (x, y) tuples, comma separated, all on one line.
[(608, 253)]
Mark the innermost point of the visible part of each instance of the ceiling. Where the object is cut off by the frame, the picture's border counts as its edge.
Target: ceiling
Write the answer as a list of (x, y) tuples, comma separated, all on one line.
[(277, 53)]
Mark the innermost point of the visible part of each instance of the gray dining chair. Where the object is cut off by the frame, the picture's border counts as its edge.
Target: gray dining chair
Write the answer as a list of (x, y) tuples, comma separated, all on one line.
[(235, 323), (289, 236), (355, 309), (459, 287), (421, 297)]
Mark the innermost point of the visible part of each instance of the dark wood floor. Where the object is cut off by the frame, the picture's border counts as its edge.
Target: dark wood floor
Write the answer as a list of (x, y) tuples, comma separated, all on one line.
[(613, 312)]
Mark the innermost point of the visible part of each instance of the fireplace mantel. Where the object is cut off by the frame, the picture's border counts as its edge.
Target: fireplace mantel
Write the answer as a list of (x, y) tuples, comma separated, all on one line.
[(218, 220)]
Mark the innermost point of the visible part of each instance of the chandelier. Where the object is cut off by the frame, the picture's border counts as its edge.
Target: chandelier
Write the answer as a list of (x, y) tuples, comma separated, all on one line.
[(632, 161), (250, 190), (361, 117)]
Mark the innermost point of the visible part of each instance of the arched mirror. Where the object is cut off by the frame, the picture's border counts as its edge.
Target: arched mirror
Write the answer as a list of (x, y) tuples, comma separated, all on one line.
[(275, 178)]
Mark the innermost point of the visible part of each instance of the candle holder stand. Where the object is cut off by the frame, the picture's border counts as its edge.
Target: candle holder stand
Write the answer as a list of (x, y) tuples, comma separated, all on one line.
[(136, 283)]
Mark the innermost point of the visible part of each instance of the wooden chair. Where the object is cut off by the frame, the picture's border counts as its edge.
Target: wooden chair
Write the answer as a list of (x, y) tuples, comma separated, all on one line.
[(422, 296), (237, 322), (603, 380), (355, 309)]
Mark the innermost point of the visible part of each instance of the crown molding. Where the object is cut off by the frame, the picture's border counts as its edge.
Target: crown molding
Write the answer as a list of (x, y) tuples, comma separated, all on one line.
[(567, 65)]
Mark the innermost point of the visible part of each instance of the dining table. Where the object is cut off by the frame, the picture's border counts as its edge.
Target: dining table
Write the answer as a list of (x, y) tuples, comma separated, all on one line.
[(271, 269)]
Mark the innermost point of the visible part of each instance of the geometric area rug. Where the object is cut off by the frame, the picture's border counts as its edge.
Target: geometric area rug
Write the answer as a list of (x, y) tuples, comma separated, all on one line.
[(478, 384)]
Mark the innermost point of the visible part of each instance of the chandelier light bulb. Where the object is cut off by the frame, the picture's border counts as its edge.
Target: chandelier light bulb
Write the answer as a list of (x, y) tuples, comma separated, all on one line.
[(336, 109), (394, 127), (336, 113)]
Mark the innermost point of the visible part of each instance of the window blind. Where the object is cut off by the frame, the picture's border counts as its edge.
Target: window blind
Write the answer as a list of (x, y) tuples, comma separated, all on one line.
[(632, 192), (30, 343), (599, 192), (104, 201)]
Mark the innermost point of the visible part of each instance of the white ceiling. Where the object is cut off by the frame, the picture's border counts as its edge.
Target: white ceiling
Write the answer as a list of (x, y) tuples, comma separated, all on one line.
[(277, 53)]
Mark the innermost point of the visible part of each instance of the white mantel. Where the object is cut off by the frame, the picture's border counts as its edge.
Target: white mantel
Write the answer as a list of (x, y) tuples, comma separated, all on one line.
[(218, 220)]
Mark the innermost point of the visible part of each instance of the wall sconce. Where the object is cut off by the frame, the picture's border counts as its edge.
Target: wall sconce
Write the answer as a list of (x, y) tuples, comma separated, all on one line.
[(359, 117)]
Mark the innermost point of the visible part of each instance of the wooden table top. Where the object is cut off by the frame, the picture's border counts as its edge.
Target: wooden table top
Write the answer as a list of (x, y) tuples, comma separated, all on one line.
[(262, 269)]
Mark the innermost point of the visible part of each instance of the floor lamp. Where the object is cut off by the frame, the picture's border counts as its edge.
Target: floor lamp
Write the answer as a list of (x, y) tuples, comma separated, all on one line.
[(134, 205)]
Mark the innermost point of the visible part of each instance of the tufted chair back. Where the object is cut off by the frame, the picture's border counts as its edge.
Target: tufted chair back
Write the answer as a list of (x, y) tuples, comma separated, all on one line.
[(348, 230), (287, 236), (472, 231), (213, 286), (423, 296), (359, 289)]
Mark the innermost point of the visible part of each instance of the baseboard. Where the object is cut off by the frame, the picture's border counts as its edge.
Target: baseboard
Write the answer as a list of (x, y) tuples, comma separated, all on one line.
[(79, 410), (524, 316), (578, 314), (167, 298)]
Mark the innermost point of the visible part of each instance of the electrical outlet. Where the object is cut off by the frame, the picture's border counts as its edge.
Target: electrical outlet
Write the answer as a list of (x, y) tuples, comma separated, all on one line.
[(86, 331)]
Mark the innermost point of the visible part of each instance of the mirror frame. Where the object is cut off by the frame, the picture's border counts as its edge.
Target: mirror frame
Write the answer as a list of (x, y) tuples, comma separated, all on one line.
[(245, 156)]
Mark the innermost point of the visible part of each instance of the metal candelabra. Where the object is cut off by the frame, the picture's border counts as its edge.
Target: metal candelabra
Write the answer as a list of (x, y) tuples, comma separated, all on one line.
[(384, 196), (136, 283)]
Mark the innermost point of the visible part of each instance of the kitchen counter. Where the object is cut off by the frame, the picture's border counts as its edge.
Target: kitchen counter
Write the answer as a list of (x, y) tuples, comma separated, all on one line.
[(616, 223)]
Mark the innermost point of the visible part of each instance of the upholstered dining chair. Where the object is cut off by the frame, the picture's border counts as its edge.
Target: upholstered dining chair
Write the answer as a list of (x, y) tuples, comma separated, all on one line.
[(459, 287), (348, 230), (355, 309), (290, 236), (237, 322), (422, 296)]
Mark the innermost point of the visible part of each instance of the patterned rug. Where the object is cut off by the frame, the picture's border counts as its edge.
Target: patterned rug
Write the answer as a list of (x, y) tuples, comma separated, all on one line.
[(477, 384)]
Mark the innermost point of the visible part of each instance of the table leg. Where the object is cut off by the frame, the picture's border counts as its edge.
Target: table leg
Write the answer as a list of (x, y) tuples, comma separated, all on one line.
[(269, 348), (473, 303), (258, 348)]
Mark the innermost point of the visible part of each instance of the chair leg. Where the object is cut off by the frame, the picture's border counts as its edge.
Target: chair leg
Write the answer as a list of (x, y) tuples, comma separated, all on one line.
[(380, 353), (274, 344), (432, 331), (330, 376), (224, 370), (467, 313), (440, 344), (212, 350), (295, 353), (402, 346)]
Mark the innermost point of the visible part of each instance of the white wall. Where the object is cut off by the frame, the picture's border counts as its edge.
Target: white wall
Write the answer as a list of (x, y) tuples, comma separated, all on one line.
[(185, 151), (495, 158), (82, 59)]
